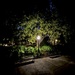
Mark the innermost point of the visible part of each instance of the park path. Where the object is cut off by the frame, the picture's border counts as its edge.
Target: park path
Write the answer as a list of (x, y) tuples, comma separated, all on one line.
[(62, 65)]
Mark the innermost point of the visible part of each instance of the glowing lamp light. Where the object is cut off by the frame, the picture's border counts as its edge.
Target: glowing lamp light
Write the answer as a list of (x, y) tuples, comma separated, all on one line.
[(38, 37), (56, 40)]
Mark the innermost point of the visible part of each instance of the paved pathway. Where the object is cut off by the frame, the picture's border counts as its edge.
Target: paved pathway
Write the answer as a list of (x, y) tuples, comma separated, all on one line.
[(62, 65)]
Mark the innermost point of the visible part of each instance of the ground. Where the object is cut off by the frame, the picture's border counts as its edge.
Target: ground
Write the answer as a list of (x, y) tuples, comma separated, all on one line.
[(62, 65)]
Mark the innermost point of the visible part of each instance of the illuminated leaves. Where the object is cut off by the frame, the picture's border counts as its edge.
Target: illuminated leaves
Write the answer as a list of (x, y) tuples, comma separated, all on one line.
[(35, 25)]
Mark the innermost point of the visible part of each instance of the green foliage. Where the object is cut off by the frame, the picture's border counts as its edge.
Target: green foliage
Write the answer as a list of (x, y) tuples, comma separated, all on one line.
[(45, 49), (35, 25), (23, 50), (30, 49)]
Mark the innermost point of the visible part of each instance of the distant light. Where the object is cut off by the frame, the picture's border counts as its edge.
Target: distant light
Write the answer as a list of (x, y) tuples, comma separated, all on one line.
[(5, 45), (38, 37)]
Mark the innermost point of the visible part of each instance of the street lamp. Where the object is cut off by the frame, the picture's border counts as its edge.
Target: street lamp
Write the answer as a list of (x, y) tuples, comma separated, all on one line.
[(38, 43), (55, 42)]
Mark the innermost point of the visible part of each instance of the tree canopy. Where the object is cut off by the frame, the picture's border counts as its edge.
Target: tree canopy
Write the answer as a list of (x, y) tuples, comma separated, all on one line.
[(31, 26)]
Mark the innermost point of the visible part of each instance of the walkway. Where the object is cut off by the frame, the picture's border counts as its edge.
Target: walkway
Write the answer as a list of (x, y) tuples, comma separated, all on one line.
[(62, 65)]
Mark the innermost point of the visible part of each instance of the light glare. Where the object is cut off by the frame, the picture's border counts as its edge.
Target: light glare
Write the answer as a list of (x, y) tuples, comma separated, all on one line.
[(38, 37)]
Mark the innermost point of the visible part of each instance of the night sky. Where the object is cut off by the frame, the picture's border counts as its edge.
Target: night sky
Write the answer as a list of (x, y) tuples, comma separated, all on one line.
[(25, 7), (66, 8), (17, 9), (20, 8)]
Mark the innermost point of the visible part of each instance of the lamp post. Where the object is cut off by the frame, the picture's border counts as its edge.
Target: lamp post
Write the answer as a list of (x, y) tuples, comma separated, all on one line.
[(38, 44), (55, 43)]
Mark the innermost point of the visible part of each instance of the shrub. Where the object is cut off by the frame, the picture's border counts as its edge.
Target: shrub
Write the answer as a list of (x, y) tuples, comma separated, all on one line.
[(30, 49), (45, 49)]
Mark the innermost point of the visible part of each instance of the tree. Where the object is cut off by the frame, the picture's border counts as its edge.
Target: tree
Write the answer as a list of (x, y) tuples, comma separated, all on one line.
[(34, 25)]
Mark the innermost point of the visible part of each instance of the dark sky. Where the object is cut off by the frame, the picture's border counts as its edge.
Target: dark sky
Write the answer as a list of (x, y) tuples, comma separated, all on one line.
[(27, 6), (66, 8), (14, 9), (19, 8)]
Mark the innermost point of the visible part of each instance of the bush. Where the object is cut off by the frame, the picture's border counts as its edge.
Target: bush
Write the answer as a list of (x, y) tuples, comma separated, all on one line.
[(23, 50), (45, 49), (30, 49)]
